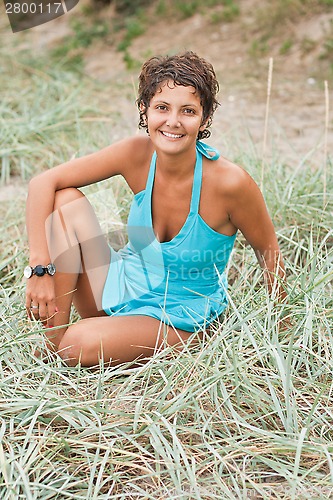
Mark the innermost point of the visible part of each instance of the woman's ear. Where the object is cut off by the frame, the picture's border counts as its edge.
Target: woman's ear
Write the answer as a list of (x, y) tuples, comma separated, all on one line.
[(142, 107), (205, 124), (143, 112)]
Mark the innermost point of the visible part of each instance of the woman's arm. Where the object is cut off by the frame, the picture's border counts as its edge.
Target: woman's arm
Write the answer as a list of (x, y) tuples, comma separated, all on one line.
[(248, 212), (116, 159)]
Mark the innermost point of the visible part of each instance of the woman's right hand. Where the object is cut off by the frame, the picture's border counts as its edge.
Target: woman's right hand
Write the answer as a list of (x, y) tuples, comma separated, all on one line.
[(40, 299)]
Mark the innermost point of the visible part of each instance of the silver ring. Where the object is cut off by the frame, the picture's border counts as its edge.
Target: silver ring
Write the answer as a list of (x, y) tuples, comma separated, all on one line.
[(34, 307)]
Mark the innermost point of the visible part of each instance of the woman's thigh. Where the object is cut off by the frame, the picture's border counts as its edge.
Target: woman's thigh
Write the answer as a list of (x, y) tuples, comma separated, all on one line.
[(117, 339), (80, 251)]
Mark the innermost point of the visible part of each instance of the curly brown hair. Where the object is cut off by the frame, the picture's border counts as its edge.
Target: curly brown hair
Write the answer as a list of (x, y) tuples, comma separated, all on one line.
[(187, 69)]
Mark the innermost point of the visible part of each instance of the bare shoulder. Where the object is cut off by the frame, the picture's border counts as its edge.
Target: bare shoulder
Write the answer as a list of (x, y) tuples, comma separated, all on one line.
[(131, 151), (138, 144), (230, 179), (135, 165)]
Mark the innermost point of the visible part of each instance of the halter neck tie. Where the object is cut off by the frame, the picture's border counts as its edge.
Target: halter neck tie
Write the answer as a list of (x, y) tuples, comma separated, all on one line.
[(208, 151)]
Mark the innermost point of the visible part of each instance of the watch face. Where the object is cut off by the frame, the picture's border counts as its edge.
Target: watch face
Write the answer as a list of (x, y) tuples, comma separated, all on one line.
[(51, 269), (27, 272), (39, 271)]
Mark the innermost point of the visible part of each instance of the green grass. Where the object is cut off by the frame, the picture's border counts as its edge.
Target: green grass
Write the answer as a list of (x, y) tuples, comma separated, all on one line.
[(83, 35), (47, 110), (249, 410), (134, 27), (245, 414)]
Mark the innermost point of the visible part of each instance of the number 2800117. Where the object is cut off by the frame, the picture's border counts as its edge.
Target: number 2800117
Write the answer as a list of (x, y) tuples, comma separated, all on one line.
[(32, 8)]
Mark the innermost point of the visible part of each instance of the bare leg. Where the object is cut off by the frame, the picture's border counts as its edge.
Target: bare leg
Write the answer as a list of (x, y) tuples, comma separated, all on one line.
[(82, 256), (117, 339)]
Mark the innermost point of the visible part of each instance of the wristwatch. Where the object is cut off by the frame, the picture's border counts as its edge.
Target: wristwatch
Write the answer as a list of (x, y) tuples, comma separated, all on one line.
[(39, 270)]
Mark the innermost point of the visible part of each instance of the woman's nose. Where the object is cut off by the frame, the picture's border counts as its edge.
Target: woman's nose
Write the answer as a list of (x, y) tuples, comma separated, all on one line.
[(173, 120)]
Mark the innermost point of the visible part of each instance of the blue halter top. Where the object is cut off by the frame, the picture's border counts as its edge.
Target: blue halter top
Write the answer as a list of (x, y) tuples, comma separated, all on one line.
[(181, 282)]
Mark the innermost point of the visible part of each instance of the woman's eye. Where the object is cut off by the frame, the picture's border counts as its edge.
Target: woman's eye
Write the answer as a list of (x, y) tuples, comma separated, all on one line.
[(161, 107), (189, 111)]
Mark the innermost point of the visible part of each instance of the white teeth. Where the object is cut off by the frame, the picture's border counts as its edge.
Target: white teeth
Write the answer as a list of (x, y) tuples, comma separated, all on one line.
[(172, 136)]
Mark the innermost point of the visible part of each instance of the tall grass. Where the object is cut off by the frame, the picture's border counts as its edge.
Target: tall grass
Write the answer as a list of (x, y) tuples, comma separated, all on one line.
[(245, 414), (47, 111)]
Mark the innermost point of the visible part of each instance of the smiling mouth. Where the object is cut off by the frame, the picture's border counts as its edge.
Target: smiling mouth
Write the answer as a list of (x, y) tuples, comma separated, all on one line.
[(172, 136)]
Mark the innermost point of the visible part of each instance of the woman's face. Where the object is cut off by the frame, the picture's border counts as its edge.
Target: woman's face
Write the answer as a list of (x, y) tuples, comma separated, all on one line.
[(174, 118)]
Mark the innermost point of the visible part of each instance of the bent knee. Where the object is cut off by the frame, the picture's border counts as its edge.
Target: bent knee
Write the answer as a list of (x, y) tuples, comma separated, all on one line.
[(67, 195), (70, 346), (76, 347)]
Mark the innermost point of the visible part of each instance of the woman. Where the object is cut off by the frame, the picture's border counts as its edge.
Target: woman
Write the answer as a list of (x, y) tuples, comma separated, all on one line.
[(188, 205)]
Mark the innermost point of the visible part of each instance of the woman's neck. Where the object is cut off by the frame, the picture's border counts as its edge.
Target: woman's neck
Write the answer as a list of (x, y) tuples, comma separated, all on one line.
[(176, 167)]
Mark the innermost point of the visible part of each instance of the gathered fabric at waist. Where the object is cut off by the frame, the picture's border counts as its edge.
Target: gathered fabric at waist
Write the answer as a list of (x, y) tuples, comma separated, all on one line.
[(180, 271)]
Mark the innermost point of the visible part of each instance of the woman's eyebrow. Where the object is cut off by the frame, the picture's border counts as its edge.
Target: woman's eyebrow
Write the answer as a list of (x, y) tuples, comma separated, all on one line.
[(160, 101)]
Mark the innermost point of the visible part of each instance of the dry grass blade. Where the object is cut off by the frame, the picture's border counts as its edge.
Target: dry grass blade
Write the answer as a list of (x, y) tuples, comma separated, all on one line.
[(269, 88), (327, 112)]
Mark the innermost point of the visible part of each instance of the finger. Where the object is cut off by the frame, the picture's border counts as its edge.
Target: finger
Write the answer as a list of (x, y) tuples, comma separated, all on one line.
[(29, 314), (28, 305), (33, 310), (43, 313), (51, 312)]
